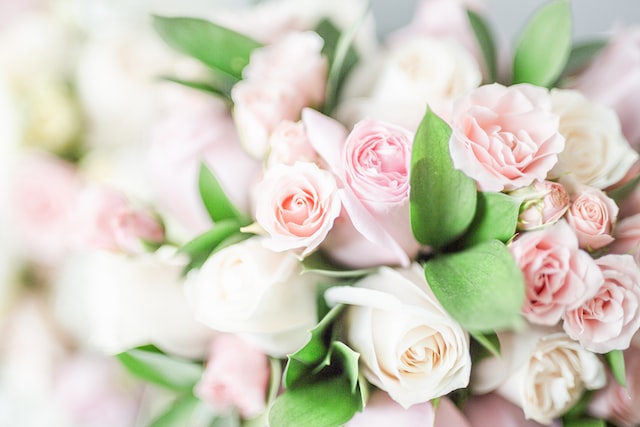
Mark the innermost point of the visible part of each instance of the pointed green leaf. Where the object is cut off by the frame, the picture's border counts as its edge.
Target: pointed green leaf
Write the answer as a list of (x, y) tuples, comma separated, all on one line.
[(545, 44), (581, 54), (442, 198), (486, 42), (481, 287), (348, 361), (217, 47), (316, 263), (328, 403), (615, 359), (160, 369), (214, 198), (201, 247), (202, 86), (496, 218), (489, 342)]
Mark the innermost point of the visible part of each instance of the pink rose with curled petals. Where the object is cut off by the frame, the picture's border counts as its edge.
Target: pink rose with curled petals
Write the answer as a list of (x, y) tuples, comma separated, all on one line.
[(610, 319), (618, 404), (372, 164), (543, 203), (558, 275), (505, 137), (296, 206), (592, 215), (236, 376), (627, 237)]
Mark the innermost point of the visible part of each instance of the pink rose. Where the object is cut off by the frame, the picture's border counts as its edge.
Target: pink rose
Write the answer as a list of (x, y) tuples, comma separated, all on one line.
[(44, 194), (543, 203), (197, 128), (627, 237), (613, 79), (618, 404), (289, 144), (382, 411), (236, 376), (592, 216), (259, 106), (372, 165), (505, 137), (609, 320), (295, 59), (107, 220), (558, 275), (296, 205), (491, 410)]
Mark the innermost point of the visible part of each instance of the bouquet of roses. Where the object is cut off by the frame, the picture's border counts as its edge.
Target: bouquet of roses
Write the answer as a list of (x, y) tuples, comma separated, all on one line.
[(430, 232)]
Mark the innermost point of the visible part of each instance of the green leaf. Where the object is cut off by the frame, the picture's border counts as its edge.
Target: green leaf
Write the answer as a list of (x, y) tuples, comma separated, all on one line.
[(621, 193), (191, 411), (342, 57), (160, 369), (543, 50), (442, 199), (581, 54), (201, 86), (215, 46), (496, 218), (615, 359), (214, 198), (481, 287), (316, 263), (314, 351), (489, 342), (201, 247), (584, 422), (486, 42), (348, 361), (328, 403)]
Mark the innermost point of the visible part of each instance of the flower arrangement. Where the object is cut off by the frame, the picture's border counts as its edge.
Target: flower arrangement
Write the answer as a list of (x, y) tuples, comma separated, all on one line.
[(433, 231)]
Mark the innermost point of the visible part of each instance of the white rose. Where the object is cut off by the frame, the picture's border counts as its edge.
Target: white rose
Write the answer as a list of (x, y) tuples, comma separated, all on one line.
[(250, 290), (596, 153), (115, 302), (408, 345), (543, 371)]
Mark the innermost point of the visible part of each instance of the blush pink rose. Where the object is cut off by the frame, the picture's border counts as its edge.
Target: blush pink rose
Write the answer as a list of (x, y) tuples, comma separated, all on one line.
[(296, 205), (236, 376), (592, 215), (505, 137), (289, 144), (45, 190), (627, 237), (382, 411), (613, 79), (371, 164), (558, 275), (491, 410), (197, 128), (618, 404), (543, 203), (610, 319)]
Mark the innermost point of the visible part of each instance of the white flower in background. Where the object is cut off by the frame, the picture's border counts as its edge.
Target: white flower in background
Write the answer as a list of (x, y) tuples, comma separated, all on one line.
[(543, 371), (260, 294), (596, 152), (113, 302), (408, 345)]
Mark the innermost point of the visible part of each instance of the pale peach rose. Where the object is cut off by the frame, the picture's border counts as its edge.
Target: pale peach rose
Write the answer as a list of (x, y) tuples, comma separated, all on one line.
[(259, 106), (627, 237), (295, 59), (296, 206), (595, 152), (250, 290), (618, 404), (236, 376), (289, 144), (543, 203), (45, 190), (408, 344), (491, 410), (106, 219), (611, 318), (542, 371), (592, 215), (558, 275), (197, 128), (505, 137), (371, 163), (613, 79)]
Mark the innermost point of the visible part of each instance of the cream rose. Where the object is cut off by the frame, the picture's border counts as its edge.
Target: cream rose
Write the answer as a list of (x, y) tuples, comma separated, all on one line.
[(408, 345), (250, 290), (289, 144), (596, 153), (542, 371), (296, 205)]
